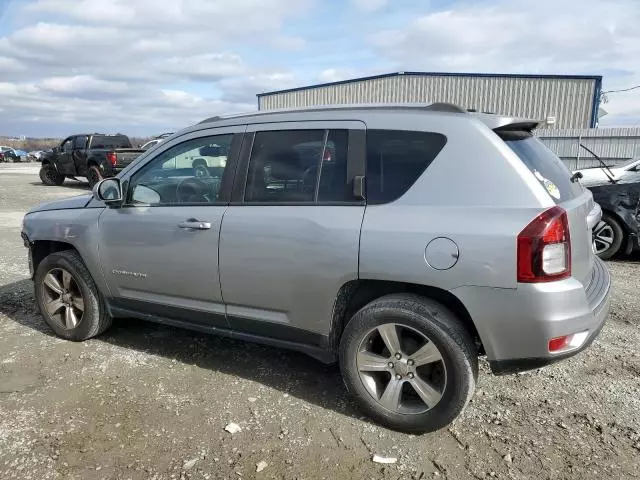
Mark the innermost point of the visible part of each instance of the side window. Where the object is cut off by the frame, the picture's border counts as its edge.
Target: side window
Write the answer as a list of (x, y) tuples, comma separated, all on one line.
[(80, 142), (298, 166), (396, 159), (185, 174), (67, 146)]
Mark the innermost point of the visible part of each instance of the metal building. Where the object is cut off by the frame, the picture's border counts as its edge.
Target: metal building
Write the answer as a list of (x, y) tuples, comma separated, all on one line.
[(614, 145), (561, 101)]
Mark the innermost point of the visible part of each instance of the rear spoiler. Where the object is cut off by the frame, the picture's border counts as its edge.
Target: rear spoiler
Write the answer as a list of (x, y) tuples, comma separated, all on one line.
[(500, 123)]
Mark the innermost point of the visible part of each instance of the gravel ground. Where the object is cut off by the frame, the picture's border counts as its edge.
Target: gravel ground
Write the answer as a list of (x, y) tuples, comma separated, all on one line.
[(146, 401)]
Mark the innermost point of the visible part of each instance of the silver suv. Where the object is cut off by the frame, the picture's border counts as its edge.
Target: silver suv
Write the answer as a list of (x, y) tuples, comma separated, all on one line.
[(401, 241)]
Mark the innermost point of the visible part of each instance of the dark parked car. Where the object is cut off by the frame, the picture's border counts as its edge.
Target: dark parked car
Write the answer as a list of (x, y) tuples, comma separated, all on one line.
[(10, 155), (618, 229), (617, 191), (94, 156)]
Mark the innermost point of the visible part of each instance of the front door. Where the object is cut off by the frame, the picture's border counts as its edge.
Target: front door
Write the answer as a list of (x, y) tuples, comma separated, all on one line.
[(159, 252), (290, 238)]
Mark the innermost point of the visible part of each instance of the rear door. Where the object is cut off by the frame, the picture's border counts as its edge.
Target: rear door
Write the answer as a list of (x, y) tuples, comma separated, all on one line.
[(79, 154), (290, 237), (64, 158), (554, 176)]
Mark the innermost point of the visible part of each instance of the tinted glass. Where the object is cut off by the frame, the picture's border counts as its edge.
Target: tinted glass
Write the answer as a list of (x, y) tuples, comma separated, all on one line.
[(110, 141), (544, 164), (181, 175), (80, 142), (396, 159), (284, 166), (67, 146), (333, 185)]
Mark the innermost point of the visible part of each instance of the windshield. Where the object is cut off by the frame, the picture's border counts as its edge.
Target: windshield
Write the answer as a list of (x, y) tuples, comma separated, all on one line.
[(548, 169), (110, 141)]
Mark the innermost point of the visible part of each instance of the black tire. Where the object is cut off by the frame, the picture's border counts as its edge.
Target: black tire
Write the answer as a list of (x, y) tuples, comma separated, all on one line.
[(95, 319), (618, 236), (93, 176), (50, 176), (444, 329)]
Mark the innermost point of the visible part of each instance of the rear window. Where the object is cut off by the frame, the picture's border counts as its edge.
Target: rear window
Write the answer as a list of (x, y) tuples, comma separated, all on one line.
[(396, 159), (548, 169), (110, 141)]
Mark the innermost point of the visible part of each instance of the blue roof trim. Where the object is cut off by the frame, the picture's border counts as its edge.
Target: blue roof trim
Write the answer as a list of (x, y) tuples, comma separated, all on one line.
[(595, 108), (596, 78)]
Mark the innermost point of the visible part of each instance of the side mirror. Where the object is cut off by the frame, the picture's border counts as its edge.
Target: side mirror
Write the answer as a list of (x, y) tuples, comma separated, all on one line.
[(109, 191)]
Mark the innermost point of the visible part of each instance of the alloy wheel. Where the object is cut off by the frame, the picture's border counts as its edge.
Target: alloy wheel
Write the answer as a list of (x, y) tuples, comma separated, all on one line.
[(401, 368), (62, 298), (603, 237)]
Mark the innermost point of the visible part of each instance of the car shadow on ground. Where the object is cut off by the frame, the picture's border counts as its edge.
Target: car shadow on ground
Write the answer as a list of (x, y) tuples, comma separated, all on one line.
[(68, 184), (289, 372)]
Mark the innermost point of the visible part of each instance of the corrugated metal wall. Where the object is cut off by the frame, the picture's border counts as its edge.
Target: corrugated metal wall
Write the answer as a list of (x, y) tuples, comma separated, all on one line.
[(613, 145), (570, 101)]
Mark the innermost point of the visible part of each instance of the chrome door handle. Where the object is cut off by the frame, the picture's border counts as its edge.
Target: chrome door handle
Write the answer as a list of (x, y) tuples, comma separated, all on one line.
[(193, 224)]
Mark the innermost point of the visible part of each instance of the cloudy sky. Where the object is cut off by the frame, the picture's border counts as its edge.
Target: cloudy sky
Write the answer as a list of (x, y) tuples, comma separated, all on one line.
[(149, 66)]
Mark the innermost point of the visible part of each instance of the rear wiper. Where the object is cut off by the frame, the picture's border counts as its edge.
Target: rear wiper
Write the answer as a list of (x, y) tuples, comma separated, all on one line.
[(605, 169)]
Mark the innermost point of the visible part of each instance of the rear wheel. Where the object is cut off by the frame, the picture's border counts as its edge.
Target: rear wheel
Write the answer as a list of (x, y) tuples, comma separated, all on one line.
[(607, 237), (93, 176), (409, 363), (68, 298), (50, 176)]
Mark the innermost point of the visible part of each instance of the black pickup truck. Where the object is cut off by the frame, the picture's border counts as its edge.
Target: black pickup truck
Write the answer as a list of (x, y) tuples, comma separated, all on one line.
[(94, 156)]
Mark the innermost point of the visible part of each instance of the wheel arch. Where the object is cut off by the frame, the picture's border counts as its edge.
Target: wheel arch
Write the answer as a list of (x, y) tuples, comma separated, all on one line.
[(92, 162), (40, 249), (354, 295), (618, 218)]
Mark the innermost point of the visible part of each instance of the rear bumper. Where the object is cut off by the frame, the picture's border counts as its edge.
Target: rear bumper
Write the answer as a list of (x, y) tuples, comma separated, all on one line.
[(515, 325)]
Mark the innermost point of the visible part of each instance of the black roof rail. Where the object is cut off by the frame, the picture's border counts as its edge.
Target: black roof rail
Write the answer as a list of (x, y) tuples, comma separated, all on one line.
[(434, 107)]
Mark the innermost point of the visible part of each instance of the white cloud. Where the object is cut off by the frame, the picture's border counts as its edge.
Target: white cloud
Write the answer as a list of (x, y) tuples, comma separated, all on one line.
[(162, 64), (244, 89), (569, 37), (139, 62), (337, 74), (369, 5)]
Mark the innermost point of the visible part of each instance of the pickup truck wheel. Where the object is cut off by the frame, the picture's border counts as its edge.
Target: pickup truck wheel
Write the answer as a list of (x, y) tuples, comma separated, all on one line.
[(408, 362), (68, 298), (93, 176), (50, 176)]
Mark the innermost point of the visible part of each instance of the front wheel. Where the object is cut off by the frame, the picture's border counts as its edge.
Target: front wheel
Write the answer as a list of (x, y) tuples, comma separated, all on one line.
[(68, 298), (607, 237), (409, 363), (50, 176)]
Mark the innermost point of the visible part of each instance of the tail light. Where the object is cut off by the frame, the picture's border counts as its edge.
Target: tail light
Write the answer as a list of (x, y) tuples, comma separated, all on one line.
[(112, 158), (544, 248)]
